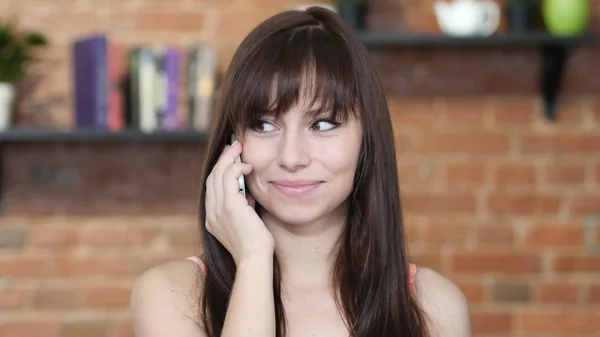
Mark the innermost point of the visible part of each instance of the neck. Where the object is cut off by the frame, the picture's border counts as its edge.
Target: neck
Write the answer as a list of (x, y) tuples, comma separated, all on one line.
[(307, 252)]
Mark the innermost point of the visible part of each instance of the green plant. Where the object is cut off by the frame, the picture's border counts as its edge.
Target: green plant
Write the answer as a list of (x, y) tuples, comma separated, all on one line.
[(17, 50)]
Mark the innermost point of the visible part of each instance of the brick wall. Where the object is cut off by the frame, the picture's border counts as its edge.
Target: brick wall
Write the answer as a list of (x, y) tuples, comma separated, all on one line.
[(502, 201)]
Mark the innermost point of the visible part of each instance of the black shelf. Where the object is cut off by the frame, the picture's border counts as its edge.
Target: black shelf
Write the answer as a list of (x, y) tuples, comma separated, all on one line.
[(34, 135), (45, 136), (386, 39), (554, 49)]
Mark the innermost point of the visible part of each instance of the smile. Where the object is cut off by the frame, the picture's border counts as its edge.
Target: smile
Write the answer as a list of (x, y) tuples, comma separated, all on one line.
[(296, 189)]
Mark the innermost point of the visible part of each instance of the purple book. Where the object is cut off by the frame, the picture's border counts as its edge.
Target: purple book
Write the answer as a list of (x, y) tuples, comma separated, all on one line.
[(172, 65), (91, 82)]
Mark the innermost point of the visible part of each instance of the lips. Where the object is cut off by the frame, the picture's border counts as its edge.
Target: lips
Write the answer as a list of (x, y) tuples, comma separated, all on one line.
[(296, 188), (296, 183)]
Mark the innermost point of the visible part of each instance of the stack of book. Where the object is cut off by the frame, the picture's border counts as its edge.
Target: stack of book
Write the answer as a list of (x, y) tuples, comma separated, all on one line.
[(148, 88)]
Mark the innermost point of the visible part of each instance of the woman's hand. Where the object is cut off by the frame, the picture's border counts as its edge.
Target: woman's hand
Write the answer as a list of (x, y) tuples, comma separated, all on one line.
[(230, 217)]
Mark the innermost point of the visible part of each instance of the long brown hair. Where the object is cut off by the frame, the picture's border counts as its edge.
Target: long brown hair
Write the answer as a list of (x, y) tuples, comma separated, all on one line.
[(371, 272)]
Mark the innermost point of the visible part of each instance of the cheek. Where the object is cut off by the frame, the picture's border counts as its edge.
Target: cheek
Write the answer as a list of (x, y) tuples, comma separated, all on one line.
[(338, 160), (257, 154), (260, 157)]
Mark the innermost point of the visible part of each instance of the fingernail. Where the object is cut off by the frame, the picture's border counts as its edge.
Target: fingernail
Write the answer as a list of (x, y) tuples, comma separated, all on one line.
[(235, 142)]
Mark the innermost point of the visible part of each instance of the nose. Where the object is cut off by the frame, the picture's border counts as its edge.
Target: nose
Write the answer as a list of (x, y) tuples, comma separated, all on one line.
[(294, 151)]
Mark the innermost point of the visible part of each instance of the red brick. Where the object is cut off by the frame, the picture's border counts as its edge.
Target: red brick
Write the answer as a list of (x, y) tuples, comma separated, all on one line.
[(511, 292), (259, 3), (13, 238), (463, 112), (175, 22), (474, 291), (184, 237), (571, 113), (35, 328), (403, 141), (420, 19), (482, 262), (439, 233), (491, 323), (463, 174), (513, 112), (555, 235), (106, 297), (28, 266), (586, 204), (560, 143), (514, 174), (466, 143), (124, 329), (577, 263), (55, 298), (417, 175), (105, 236), (552, 322), (565, 173), (594, 294), (439, 203), (145, 236), (496, 235), (52, 236), (85, 328), (429, 259), (523, 203), (97, 266), (154, 5), (80, 21), (558, 293), (236, 24), (412, 231), (413, 112), (12, 299)]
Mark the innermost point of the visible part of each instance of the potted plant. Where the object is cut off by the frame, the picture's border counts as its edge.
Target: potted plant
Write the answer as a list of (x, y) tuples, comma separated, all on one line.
[(520, 15), (17, 55), (567, 17), (354, 12)]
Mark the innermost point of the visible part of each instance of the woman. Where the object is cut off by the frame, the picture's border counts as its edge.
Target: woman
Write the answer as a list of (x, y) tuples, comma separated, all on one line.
[(317, 246)]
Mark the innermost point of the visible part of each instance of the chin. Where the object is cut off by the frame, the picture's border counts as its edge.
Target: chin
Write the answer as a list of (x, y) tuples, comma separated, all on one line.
[(301, 213)]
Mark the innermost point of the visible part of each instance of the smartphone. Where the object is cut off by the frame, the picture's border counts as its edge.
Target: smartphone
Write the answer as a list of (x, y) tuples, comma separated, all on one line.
[(238, 159)]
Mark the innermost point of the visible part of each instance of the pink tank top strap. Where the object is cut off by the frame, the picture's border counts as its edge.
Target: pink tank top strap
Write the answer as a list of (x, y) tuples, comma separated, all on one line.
[(198, 261), (412, 275)]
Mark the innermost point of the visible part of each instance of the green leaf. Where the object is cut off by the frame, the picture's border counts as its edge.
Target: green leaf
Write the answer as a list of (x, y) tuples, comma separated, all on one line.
[(37, 39), (17, 50)]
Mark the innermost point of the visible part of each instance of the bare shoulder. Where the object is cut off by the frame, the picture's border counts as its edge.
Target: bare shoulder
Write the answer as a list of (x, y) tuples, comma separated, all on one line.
[(164, 301), (445, 305)]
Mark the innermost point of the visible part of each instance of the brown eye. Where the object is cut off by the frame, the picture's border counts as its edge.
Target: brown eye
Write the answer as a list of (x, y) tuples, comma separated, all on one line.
[(262, 126), (325, 125)]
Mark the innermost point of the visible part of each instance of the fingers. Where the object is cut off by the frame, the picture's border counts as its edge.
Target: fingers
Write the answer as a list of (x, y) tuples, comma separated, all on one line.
[(209, 200), (226, 159), (230, 152), (231, 185)]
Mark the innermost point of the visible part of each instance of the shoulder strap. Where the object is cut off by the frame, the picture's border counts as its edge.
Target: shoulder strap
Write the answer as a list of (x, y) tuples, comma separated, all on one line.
[(198, 261)]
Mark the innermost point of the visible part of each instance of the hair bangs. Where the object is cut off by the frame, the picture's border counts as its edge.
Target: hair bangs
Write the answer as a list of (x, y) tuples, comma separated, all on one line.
[(305, 67)]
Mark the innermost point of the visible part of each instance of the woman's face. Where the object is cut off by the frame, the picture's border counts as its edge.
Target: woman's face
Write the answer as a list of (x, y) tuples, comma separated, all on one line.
[(303, 166)]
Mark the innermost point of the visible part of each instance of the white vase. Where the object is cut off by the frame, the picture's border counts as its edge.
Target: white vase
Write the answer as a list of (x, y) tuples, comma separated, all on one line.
[(7, 95)]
